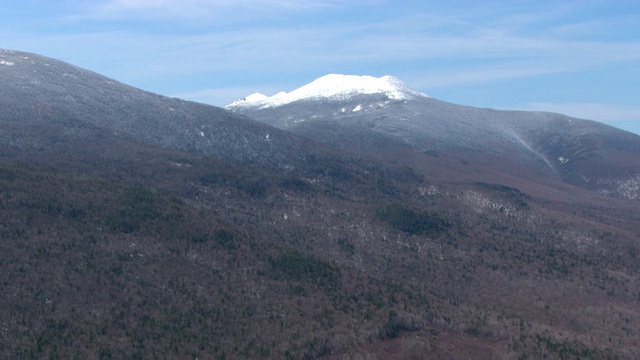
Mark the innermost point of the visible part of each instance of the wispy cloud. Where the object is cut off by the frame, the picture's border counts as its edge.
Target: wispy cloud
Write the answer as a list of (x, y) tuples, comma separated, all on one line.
[(178, 11), (488, 54), (503, 50)]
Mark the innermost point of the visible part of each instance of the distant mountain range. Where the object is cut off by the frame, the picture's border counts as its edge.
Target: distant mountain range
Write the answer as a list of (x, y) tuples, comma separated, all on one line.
[(351, 218), (358, 113)]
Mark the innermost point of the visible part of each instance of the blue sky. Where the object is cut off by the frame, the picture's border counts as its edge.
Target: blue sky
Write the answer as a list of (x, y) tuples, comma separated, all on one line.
[(581, 58)]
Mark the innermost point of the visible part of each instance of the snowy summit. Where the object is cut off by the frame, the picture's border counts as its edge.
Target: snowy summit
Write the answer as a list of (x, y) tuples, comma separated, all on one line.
[(332, 86)]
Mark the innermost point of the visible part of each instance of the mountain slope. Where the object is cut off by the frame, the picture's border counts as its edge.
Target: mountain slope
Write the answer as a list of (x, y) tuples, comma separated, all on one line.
[(367, 121), (124, 239), (62, 95), (93, 268)]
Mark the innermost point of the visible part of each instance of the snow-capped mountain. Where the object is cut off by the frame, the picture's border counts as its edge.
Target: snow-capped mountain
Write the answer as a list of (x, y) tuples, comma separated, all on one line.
[(333, 87), (367, 115)]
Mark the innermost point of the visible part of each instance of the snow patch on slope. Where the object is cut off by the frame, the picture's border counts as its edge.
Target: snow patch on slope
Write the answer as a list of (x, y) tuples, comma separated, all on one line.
[(335, 87), (628, 188)]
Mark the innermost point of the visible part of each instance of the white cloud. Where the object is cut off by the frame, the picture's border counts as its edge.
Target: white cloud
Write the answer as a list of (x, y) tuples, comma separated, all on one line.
[(478, 54), (498, 42), (179, 10)]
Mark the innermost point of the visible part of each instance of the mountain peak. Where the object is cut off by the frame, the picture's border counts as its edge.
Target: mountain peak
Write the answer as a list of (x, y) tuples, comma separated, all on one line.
[(333, 86)]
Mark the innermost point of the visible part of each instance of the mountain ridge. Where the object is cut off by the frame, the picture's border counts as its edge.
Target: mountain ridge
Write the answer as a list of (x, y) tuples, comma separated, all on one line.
[(584, 153), (66, 94)]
